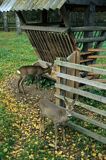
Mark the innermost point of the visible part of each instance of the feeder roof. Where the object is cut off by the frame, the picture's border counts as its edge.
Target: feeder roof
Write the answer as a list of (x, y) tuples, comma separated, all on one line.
[(19, 5)]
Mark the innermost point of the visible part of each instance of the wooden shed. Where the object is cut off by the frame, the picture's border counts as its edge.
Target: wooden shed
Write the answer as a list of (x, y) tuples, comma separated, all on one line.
[(48, 26)]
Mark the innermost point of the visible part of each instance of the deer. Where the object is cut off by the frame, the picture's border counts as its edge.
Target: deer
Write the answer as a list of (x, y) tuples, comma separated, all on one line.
[(35, 70), (58, 115)]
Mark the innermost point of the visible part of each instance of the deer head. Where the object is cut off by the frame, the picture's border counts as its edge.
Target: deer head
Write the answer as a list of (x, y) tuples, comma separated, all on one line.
[(69, 106), (49, 67)]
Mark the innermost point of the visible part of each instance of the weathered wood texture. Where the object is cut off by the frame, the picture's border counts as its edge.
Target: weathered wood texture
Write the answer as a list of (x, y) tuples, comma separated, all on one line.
[(50, 42), (89, 38), (91, 110)]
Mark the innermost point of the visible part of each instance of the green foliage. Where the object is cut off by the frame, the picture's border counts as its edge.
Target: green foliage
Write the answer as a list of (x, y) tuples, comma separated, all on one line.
[(43, 82), (35, 149), (7, 132)]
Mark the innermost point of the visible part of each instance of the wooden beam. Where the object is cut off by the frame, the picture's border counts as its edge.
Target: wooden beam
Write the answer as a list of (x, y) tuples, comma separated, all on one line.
[(44, 28), (88, 28), (89, 120), (91, 39), (97, 65), (82, 80), (96, 49), (101, 80), (96, 56), (81, 93), (81, 67), (86, 60), (57, 89), (86, 53), (87, 132)]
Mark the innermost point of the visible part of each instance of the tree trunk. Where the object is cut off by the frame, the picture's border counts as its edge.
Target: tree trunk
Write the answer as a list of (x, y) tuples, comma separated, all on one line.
[(18, 24), (5, 21)]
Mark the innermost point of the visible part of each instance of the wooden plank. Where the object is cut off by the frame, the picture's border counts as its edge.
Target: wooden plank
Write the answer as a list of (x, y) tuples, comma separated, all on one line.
[(82, 80), (97, 65), (81, 93), (81, 67), (57, 89), (77, 72), (101, 80), (87, 132), (93, 39), (44, 28), (96, 56), (96, 49), (86, 53), (86, 60), (89, 120), (71, 72), (83, 105), (88, 28)]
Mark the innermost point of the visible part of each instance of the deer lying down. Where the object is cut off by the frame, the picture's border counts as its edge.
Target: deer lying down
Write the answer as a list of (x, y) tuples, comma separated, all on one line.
[(36, 71), (58, 115)]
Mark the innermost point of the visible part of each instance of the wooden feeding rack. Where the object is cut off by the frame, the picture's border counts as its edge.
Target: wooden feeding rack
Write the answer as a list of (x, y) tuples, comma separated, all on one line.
[(51, 42)]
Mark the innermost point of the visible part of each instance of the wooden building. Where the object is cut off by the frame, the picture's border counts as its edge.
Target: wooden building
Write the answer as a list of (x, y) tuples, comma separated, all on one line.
[(48, 26)]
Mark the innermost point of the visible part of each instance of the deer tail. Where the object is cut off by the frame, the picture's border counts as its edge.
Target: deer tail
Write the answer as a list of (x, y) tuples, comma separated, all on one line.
[(18, 72)]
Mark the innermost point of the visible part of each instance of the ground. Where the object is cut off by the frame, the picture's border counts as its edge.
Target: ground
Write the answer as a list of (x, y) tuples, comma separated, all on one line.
[(19, 114)]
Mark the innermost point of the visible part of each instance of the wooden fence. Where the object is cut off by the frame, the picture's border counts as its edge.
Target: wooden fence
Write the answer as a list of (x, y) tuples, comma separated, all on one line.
[(89, 115)]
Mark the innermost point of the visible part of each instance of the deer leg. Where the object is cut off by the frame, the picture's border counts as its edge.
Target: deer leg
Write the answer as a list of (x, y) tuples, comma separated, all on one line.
[(55, 126), (42, 125), (63, 133), (19, 81), (36, 82)]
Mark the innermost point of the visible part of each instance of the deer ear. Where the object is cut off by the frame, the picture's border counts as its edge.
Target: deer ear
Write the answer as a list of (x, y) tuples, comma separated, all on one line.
[(65, 100), (68, 104)]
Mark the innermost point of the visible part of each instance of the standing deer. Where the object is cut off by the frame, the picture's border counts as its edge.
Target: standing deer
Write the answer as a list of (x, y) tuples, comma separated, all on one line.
[(35, 70), (57, 114)]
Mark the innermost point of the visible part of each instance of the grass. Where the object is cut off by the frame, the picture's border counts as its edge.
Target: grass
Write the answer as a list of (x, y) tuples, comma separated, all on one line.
[(15, 51)]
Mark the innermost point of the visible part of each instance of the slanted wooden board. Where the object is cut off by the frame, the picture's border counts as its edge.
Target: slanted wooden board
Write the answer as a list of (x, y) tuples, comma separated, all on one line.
[(87, 132), (81, 67), (97, 65), (44, 28), (96, 56), (97, 39), (89, 120), (88, 28), (97, 50), (86, 53), (82, 80), (81, 93)]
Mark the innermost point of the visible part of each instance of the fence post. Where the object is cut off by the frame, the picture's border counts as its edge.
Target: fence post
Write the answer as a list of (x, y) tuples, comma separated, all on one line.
[(73, 58), (58, 81)]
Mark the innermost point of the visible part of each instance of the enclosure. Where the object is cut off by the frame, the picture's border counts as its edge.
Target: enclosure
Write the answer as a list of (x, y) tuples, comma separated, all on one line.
[(52, 33)]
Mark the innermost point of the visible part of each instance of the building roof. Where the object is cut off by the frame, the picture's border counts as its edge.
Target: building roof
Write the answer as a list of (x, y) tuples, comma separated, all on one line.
[(20, 5)]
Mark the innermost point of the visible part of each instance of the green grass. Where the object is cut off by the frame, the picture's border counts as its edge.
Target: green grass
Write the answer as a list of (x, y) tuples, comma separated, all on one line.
[(15, 51), (7, 132)]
